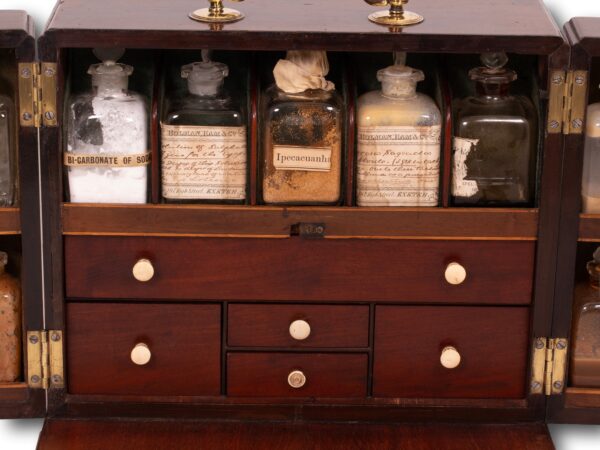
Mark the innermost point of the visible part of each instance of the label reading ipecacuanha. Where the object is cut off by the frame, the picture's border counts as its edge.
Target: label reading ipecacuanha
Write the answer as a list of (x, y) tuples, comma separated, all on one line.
[(306, 159)]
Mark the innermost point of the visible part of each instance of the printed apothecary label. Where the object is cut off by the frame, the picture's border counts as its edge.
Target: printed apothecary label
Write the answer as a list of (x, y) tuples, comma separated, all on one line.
[(201, 162), (461, 149), (398, 166), (307, 159), (73, 159)]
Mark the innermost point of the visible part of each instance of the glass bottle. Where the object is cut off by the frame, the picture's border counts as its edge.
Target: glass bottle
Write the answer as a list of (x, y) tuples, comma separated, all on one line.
[(8, 154), (399, 133), (204, 140), (495, 141), (10, 324), (591, 162), (585, 357), (302, 133), (107, 156)]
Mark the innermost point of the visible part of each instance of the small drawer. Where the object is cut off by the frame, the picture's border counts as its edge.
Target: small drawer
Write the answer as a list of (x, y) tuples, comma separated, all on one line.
[(298, 326), (287, 375), (450, 352), (297, 269), (151, 350)]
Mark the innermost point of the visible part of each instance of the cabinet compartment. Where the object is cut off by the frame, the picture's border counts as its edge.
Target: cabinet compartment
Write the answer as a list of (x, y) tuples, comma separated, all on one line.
[(183, 340), (299, 269), (326, 375), (314, 326), (492, 343)]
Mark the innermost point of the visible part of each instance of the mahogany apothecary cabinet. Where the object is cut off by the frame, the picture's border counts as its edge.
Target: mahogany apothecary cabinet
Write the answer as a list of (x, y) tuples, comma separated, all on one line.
[(209, 292)]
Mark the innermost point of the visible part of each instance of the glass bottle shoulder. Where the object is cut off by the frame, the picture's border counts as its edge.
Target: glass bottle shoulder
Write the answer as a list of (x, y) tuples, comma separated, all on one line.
[(593, 120), (376, 109), (6, 103), (276, 99), (203, 111), (518, 106)]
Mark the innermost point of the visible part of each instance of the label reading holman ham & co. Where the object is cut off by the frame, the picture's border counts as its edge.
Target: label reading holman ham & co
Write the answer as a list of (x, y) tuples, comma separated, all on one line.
[(398, 166), (461, 149), (203, 162)]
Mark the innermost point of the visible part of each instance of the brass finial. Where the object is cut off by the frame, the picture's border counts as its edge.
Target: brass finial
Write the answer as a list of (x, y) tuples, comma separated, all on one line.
[(395, 16), (216, 13)]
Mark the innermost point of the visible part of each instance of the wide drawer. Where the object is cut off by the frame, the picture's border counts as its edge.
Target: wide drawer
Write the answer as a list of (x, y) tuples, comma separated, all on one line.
[(299, 269), (298, 326), (417, 347), (176, 349), (286, 375)]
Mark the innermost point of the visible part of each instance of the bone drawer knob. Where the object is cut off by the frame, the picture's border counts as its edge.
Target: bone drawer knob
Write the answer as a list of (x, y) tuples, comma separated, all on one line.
[(143, 270), (450, 358), (141, 354), (299, 329), (296, 379), (455, 273)]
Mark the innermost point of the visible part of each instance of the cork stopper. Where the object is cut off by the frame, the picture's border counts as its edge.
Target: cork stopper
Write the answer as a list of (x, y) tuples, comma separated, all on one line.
[(302, 70), (109, 77)]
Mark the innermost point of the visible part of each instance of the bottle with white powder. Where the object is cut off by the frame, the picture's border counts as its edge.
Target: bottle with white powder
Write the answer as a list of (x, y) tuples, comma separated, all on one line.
[(591, 162), (107, 157)]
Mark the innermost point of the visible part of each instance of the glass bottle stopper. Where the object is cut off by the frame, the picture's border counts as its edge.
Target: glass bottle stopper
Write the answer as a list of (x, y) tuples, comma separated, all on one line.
[(109, 74), (205, 78), (216, 13), (494, 69), (396, 15)]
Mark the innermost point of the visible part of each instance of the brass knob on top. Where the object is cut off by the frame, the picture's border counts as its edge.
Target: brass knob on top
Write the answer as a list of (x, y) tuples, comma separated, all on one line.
[(296, 379), (143, 270), (216, 13), (396, 15), (299, 330), (455, 274), (450, 358), (141, 354)]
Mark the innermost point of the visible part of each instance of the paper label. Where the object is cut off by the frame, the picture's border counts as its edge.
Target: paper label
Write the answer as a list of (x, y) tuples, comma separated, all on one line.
[(203, 162), (461, 149), (398, 166), (307, 159), (73, 159)]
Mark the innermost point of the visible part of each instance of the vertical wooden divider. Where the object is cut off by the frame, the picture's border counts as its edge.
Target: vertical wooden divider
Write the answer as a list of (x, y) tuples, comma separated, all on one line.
[(155, 131), (253, 90), (447, 143), (350, 96)]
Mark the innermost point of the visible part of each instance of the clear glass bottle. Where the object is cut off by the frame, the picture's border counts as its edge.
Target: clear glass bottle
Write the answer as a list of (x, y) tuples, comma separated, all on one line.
[(107, 156), (204, 140), (301, 142), (495, 141), (10, 324), (590, 189), (399, 133), (585, 357), (8, 153)]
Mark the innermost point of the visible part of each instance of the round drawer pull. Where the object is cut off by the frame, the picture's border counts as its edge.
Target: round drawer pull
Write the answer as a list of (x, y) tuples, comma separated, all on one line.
[(455, 273), (141, 354), (450, 358), (143, 270), (296, 379), (299, 329)]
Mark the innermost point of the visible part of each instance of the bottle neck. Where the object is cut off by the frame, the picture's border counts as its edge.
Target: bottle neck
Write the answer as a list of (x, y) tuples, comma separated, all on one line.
[(399, 89), (106, 85), (494, 90), (208, 89)]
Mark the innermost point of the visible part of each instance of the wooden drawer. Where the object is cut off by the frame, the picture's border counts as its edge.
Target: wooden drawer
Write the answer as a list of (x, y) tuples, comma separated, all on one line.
[(492, 343), (298, 326), (299, 269), (326, 375), (184, 343)]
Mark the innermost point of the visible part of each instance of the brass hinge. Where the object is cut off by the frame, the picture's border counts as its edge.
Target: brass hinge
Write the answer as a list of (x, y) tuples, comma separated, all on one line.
[(549, 363), (37, 94), (45, 359), (567, 102)]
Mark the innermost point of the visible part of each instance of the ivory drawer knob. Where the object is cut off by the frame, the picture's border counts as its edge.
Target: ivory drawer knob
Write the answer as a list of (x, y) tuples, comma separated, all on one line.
[(143, 270), (141, 354), (299, 329), (455, 273), (450, 358), (296, 379)]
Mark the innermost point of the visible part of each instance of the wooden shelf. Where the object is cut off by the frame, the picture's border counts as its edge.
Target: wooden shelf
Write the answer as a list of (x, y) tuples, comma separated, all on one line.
[(589, 227), (276, 222), (10, 221)]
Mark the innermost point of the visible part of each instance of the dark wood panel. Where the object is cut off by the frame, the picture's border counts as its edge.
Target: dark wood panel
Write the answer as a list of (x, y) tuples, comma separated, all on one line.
[(10, 222), (582, 398), (266, 375), (60, 434), (268, 325), (586, 31), (299, 269), (589, 228), (184, 341), (18, 401), (492, 342), (432, 223)]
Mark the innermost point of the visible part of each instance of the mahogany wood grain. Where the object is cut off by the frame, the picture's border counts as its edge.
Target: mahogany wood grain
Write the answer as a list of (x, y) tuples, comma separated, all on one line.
[(61, 434), (589, 228), (401, 223), (184, 341), (10, 221), (492, 342), (582, 398), (299, 269), (251, 325), (328, 375)]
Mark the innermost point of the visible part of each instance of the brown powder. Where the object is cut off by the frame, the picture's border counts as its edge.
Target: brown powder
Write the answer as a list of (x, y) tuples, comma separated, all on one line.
[(10, 329)]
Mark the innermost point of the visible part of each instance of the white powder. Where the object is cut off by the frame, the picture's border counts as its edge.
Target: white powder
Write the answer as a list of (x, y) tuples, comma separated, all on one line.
[(124, 132)]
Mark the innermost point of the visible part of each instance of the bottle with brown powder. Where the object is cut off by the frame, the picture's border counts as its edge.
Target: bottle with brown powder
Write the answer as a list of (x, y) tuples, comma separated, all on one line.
[(10, 325)]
